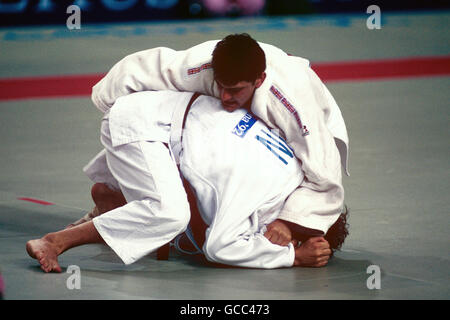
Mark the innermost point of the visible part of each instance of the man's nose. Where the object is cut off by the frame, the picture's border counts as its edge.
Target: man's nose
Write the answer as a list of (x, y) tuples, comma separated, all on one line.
[(225, 95)]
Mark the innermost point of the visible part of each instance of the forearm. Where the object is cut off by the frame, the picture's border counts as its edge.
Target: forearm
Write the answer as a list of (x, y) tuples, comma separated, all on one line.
[(254, 251), (311, 212), (318, 200), (156, 69), (143, 70)]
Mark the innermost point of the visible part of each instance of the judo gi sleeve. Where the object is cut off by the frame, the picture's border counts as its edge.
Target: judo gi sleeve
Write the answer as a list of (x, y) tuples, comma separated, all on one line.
[(235, 241), (318, 201), (234, 236), (157, 69)]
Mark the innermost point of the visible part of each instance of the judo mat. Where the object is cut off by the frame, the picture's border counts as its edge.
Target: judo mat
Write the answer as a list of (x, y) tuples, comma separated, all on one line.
[(397, 193)]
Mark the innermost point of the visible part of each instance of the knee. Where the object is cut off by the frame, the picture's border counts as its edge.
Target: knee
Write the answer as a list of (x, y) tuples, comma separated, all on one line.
[(100, 190), (183, 218), (180, 213)]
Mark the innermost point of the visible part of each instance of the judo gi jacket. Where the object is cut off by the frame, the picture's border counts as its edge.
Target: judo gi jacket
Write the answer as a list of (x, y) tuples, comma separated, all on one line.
[(292, 99)]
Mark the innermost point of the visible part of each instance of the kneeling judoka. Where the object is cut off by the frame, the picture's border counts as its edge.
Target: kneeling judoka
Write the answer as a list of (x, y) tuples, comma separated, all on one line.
[(240, 170)]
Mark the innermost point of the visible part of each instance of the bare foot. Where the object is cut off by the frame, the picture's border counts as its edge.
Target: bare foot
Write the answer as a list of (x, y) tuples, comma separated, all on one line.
[(45, 252)]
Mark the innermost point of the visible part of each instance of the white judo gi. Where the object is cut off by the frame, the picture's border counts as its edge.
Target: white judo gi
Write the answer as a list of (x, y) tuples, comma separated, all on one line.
[(292, 98), (241, 172)]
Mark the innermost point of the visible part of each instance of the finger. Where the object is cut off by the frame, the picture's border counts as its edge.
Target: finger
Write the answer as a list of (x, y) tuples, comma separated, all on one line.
[(322, 246), (287, 236), (322, 240), (321, 264), (276, 239), (324, 252), (317, 239), (323, 258), (321, 261), (268, 234), (272, 237), (284, 239)]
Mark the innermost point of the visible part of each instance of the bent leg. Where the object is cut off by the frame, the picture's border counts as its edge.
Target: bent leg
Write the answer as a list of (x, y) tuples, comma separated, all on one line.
[(157, 209), (106, 188), (47, 249), (105, 199)]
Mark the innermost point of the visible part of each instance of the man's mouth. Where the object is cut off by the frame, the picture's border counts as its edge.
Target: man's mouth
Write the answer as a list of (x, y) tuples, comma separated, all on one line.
[(230, 106)]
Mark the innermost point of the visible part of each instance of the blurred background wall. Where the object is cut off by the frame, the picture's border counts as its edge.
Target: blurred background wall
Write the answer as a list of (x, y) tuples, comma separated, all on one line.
[(45, 12)]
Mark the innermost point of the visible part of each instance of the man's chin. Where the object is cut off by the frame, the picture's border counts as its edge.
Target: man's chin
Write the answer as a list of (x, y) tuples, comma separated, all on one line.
[(231, 107)]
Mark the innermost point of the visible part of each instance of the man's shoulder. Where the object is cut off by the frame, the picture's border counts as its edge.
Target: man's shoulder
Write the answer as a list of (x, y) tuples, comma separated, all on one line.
[(206, 44), (150, 96)]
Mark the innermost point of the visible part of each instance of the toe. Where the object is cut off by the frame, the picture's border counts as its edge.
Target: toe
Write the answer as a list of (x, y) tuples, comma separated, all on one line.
[(57, 268)]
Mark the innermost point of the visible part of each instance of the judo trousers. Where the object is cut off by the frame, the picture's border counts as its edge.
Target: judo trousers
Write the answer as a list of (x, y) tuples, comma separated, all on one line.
[(157, 208)]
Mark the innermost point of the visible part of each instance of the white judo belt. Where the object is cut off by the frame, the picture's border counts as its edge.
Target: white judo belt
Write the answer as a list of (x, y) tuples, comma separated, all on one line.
[(177, 126), (175, 147)]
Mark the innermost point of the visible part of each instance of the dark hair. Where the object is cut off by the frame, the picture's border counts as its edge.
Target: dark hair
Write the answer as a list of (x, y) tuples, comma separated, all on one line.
[(338, 231), (238, 57)]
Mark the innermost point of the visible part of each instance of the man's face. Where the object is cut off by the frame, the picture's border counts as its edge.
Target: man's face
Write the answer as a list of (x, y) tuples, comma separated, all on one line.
[(238, 95)]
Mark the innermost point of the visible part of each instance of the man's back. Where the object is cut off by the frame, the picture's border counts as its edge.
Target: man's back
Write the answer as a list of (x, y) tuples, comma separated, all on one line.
[(233, 152), (242, 174)]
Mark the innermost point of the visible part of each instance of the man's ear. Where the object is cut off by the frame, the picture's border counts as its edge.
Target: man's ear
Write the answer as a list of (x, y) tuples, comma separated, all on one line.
[(259, 81)]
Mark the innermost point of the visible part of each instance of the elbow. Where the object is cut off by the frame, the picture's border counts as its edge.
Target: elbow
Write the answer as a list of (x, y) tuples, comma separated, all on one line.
[(215, 250), (209, 250), (182, 222), (95, 96), (174, 216), (180, 216), (225, 249)]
